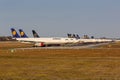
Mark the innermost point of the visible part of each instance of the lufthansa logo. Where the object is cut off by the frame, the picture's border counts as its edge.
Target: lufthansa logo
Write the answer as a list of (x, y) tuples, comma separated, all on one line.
[(22, 33), (14, 32)]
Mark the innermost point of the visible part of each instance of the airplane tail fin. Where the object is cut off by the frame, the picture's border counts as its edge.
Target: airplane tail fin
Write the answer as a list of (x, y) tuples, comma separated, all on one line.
[(69, 35), (35, 34), (14, 33), (73, 36), (77, 36), (22, 34)]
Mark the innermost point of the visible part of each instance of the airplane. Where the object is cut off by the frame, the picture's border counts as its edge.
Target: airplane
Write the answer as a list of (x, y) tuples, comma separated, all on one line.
[(45, 41), (35, 34), (88, 40), (17, 36)]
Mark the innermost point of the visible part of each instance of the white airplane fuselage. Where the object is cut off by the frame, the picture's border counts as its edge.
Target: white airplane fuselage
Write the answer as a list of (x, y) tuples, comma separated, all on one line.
[(45, 41), (94, 40), (58, 40)]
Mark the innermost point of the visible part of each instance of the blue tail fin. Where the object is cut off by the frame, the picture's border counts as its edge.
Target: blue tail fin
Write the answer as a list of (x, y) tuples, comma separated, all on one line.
[(22, 34), (14, 33), (35, 34)]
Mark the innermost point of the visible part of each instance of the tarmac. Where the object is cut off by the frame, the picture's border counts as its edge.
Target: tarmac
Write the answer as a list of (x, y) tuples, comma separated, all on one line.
[(89, 46)]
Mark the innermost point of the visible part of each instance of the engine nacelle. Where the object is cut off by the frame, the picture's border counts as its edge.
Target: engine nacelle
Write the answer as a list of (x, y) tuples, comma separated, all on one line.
[(41, 44)]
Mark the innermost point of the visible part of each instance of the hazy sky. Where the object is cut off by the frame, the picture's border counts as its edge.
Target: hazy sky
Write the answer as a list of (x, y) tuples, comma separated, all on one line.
[(58, 17)]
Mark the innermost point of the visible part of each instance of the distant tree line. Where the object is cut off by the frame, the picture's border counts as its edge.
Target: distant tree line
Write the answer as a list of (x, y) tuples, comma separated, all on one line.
[(6, 38)]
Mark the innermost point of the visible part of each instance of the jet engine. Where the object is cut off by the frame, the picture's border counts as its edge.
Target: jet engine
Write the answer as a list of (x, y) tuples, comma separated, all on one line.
[(40, 44)]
